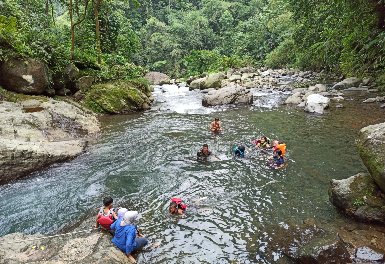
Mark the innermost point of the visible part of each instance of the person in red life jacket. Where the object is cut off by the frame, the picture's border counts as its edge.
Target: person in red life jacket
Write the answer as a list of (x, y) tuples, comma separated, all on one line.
[(177, 207), (216, 126), (106, 215)]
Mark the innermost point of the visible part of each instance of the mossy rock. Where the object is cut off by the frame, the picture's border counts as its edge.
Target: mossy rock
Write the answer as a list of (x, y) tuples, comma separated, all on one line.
[(371, 146), (9, 96), (116, 98), (358, 197)]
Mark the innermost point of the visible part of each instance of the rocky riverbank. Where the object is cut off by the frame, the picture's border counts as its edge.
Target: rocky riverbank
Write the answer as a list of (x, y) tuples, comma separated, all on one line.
[(312, 91), (82, 245), (38, 132)]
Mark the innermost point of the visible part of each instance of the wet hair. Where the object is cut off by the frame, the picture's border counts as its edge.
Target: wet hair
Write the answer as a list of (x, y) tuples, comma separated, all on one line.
[(205, 145), (173, 205), (107, 201), (216, 119)]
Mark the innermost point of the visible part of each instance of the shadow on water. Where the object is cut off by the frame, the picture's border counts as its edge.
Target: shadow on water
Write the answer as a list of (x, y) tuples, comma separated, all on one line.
[(143, 160)]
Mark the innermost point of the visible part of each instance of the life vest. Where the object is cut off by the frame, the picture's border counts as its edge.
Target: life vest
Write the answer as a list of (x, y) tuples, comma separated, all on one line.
[(281, 147), (105, 220), (216, 126), (179, 202)]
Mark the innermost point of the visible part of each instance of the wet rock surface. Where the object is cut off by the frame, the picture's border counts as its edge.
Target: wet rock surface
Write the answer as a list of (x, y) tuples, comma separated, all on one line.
[(37, 133), (86, 247), (358, 197), (157, 78), (344, 243), (227, 95), (371, 145)]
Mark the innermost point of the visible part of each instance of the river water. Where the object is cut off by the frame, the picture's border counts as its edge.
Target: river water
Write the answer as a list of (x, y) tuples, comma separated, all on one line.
[(142, 160)]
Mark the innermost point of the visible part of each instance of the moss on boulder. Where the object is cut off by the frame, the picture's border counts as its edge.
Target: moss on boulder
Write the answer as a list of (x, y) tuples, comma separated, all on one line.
[(358, 197), (118, 97), (371, 146)]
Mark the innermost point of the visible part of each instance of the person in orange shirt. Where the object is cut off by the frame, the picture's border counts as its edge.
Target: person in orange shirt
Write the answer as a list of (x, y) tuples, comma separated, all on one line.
[(279, 146), (216, 126)]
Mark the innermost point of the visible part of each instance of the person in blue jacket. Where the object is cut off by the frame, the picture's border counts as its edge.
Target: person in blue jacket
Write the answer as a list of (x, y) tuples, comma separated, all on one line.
[(127, 238)]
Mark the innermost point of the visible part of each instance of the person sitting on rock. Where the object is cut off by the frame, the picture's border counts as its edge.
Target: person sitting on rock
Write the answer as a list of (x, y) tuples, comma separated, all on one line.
[(216, 126), (204, 153), (106, 215), (263, 142), (127, 237), (177, 207)]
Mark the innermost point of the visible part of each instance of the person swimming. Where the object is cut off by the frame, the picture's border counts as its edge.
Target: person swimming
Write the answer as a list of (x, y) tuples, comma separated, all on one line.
[(278, 161), (177, 207), (204, 153), (216, 126), (263, 142), (239, 151)]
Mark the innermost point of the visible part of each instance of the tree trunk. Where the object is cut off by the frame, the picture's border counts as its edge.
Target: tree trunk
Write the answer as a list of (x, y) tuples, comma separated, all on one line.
[(97, 29), (70, 10)]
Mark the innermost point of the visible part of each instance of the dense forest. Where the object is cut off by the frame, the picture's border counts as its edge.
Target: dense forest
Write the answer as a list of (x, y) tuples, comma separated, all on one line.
[(123, 38)]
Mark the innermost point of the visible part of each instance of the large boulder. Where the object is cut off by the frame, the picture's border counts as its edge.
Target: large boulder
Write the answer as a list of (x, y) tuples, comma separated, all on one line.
[(85, 82), (357, 197), (214, 80), (36, 133), (295, 98), (64, 81), (198, 84), (117, 98), (228, 95), (82, 247), (157, 78), (316, 103), (347, 83), (308, 243), (27, 76), (371, 145)]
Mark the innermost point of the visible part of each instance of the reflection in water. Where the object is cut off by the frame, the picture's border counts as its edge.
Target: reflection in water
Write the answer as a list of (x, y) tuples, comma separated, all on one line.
[(143, 160)]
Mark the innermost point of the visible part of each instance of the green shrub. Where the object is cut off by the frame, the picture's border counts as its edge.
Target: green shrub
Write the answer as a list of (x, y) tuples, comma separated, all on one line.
[(281, 56), (208, 61)]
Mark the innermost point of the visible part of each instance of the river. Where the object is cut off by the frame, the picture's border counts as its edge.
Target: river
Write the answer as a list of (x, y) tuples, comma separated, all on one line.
[(142, 160)]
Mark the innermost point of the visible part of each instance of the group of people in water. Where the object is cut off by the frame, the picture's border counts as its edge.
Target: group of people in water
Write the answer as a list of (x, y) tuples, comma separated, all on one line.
[(122, 223), (276, 161)]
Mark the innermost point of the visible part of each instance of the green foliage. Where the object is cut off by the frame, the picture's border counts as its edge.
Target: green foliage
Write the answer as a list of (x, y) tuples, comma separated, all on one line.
[(282, 56), (10, 38), (200, 61), (188, 37), (124, 71), (359, 202)]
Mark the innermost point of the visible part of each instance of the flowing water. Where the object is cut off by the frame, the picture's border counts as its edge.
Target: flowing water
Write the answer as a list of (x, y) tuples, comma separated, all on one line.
[(142, 160)]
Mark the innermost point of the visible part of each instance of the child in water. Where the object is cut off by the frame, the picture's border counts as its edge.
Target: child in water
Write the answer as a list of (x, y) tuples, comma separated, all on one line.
[(278, 160), (177, 207), (239, 151)]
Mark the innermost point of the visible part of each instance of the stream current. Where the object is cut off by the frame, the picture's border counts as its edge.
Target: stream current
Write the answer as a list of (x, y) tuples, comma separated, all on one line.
[(142, 160)]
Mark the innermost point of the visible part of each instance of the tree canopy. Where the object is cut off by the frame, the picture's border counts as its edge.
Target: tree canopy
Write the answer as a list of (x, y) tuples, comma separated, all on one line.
[(184, 37)]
